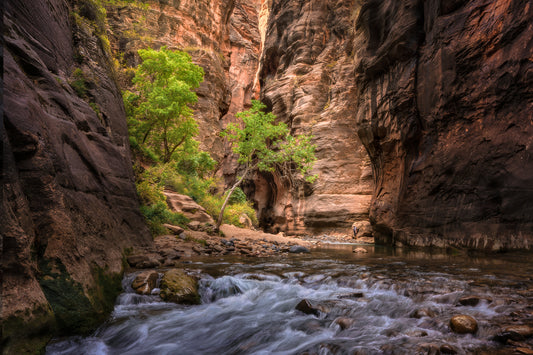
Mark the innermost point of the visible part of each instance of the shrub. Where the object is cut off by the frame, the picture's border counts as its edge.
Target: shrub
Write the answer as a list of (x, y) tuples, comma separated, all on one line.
[(158, 214)]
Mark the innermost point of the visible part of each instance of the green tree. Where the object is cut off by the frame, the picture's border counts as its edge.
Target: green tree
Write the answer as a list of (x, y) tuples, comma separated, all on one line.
[(261, 144), (159, 113)]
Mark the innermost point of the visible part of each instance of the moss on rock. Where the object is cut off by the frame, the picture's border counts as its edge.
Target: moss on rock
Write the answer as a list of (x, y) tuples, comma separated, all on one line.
[(178, 287)]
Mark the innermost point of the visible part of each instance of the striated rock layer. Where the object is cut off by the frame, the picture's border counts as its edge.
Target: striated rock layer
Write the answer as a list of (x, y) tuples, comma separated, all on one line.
[(440, 95), (307, 81), (444, 106), (69, 205)]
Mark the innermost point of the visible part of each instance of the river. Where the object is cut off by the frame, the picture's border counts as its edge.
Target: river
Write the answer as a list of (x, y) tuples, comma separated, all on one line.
[(386, 301)]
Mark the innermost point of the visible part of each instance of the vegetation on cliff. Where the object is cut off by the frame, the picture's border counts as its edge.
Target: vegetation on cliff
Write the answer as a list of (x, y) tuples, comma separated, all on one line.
[(162, 135), (263, 145)]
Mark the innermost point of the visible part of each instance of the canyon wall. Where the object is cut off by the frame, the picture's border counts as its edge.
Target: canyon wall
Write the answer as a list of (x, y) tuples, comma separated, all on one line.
[(444, 106), (221, 36), (307, 81), (435, 97), (69, 204)]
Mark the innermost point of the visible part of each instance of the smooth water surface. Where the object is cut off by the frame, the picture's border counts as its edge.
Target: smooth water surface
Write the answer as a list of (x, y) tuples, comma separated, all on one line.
[(395, 303)]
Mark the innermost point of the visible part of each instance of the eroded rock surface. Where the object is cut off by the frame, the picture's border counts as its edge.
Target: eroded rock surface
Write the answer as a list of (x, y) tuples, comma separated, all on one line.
[(439, 93), (69, 205), (221, 36), (307, 81), (444, 107)]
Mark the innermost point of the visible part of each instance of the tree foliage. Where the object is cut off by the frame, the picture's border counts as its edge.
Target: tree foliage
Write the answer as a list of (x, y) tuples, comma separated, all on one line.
[(262, 144), (158, 107)]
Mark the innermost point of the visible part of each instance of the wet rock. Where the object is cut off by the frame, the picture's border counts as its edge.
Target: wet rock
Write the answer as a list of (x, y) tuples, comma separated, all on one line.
[(360, 250), (176, 230), (514, 332), (422, 312), (426, 348), (522, 350), (344, 322), (472, 300), (178, 287), (296, 249), (463, 324), (447, 349), (417, 333), (353, 295), (143, 261), (307, 307), (145, 282)]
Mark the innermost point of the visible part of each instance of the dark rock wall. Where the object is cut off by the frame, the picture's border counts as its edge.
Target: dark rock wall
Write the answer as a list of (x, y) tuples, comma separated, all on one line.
[(445, 110), (440, 95), (69, 205)]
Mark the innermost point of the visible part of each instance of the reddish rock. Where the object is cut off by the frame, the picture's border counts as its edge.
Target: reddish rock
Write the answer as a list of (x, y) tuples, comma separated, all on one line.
[(69, 206), (463, 324), (307, 81), (441, 108), (145, 282)]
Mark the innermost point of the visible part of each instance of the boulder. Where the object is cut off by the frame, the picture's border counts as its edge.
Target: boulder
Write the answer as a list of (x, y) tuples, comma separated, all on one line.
[(296, 249), (176, 230), (245, 221), (142, 261), (178, 287), (186, 205), (360, 250), (463, 324), (145, 282), (515, 333)]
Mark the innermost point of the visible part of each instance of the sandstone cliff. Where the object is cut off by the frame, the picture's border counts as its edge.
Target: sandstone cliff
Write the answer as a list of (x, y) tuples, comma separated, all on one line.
[(307, 80), (440, 95), (444, 106), (221, 36), (69, 205)]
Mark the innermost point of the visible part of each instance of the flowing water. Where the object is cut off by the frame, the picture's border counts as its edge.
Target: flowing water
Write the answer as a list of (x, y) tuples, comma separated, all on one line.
[(389, 302)]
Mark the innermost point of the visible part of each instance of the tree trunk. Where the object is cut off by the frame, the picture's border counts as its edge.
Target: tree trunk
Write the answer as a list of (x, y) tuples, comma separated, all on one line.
[(221, 215)]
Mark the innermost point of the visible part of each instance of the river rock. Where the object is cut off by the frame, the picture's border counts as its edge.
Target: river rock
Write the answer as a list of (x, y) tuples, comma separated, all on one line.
[(145, 282), (515, 333), (178, 287), (344, 322), (142, 261), (176, 230), (296, 249), (472, 300), (463, 324), (422, 312), (447, 349), (307, 307), (360, 250)]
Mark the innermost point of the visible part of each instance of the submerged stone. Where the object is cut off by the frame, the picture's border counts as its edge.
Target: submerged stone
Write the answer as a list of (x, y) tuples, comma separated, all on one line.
[(295, 249)]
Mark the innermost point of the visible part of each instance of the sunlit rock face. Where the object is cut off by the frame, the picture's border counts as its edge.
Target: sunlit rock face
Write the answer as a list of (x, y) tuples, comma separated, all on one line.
[(69, 204), (443, 104), (307, 80), (221, 36), (438, 93)]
